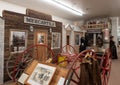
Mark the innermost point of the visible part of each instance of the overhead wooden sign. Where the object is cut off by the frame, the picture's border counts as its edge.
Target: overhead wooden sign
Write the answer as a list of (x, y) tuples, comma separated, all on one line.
[(94, 30), (36, 21)]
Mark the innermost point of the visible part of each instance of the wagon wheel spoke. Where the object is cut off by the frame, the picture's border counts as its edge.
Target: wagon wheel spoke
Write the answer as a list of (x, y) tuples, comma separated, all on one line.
[(26, 58), (74, 81), (17, 73), (76, 74), (75, 70), (11, 72), (22, 58), (12, 66), (29, 60)]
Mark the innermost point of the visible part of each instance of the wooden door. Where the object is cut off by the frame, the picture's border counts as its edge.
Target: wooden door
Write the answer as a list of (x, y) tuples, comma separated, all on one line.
[(41, 40), (68, 40)]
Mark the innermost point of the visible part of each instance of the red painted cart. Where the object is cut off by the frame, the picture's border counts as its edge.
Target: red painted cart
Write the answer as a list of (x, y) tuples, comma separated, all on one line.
[(75, 62), (77, 76), (67, 55)]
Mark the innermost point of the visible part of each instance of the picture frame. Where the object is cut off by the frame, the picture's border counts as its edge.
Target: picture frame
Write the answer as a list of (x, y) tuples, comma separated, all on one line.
[(77, 39), (18, 41), (41, 38), (41, 75), (56, 40)]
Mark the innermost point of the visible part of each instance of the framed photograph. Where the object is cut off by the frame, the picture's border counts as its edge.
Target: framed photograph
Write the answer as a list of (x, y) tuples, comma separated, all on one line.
[(18, 40), (77, 39), (41, 75), (56, 40), (40, 38)]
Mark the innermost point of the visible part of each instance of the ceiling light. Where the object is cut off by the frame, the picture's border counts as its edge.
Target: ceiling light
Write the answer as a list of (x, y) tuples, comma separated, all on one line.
[(65, 6)]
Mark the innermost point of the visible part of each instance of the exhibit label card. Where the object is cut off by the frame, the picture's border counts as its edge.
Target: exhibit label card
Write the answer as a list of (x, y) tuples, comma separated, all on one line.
[(23, 78), (61, 81)]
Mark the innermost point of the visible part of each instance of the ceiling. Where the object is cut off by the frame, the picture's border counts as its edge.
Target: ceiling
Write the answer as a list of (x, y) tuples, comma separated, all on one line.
[(91, 8)]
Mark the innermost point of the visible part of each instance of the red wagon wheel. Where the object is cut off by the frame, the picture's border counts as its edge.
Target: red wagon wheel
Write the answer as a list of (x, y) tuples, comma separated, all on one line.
[(68, 49), (106, 67), (67, 55), (40, 52), (73, 77)]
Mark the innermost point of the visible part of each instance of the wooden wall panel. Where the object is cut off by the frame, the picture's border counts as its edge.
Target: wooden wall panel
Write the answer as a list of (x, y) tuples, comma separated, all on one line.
[(16, 21), (39, 15)]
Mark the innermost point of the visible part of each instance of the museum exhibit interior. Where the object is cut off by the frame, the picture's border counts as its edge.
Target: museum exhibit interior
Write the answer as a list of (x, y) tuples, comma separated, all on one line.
[(59, 42)]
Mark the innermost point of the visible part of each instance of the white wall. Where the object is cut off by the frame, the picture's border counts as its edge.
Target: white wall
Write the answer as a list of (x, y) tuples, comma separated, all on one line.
[(1, 50), (11, 7), (118, 28), (79, 23), (63, 36), (64, 21), (114, 28)]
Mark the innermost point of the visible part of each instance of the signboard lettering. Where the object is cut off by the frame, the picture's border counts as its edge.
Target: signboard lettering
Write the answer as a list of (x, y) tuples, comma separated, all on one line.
[(94, 30), (31, 20)]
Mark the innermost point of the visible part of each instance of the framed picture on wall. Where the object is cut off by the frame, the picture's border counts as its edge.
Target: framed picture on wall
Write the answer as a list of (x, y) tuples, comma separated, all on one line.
[(18, 40), (41, 38), (77, 39), (56, 40)]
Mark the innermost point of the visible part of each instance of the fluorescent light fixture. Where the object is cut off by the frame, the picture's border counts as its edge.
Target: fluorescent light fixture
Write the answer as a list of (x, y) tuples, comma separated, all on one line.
[(65, 6)]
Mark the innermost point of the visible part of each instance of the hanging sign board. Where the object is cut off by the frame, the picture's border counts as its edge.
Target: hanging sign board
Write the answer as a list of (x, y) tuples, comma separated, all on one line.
[(94, 30), (36, 21)]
